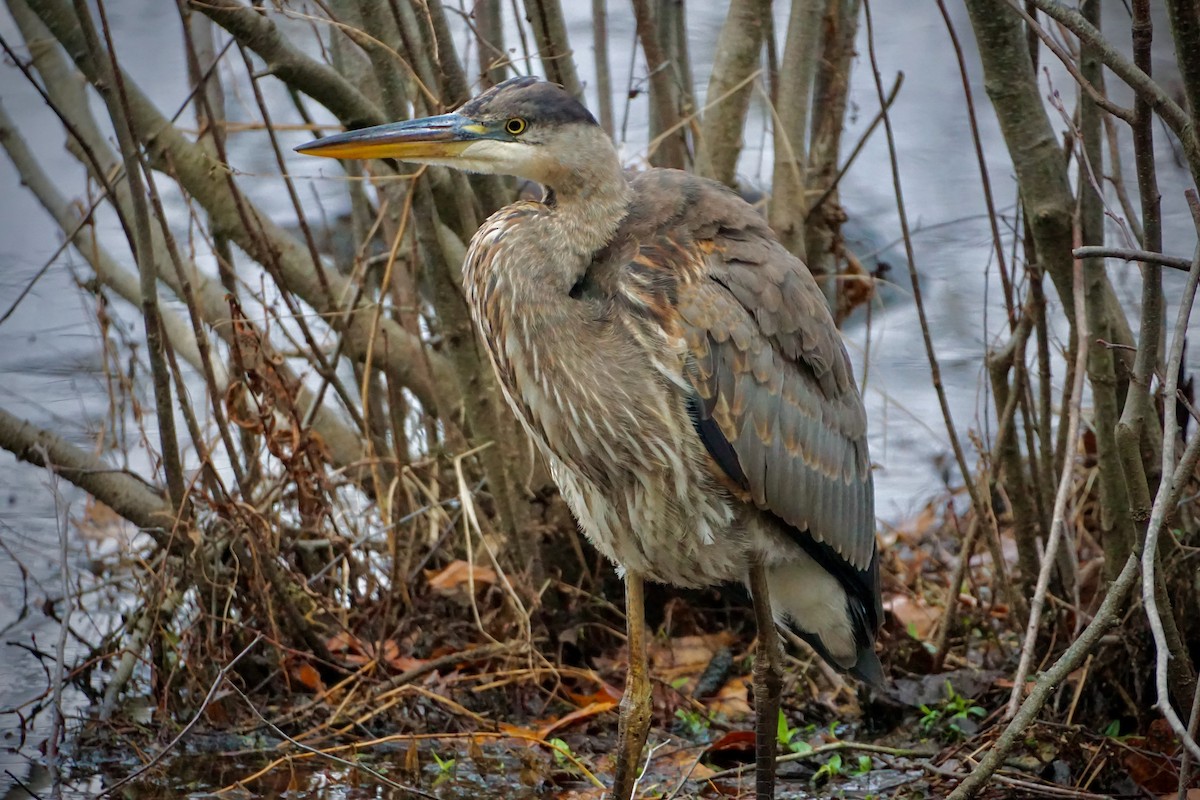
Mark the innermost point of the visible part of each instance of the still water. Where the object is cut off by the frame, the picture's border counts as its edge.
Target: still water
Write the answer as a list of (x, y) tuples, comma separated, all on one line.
[(50, 364)]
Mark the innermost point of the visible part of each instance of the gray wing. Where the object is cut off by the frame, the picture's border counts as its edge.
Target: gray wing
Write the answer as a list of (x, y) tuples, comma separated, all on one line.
[(768, 365), (774, 395)]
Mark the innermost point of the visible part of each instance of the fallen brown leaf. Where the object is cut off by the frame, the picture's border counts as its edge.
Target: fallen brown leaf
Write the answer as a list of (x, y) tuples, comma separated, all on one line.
[(401, 663), (1152, 765), (100, 523), (587, 712), (607, 693), (589, 793), (682, 760), (518, 732), (733, 700), (457, 573), (914, 614), (343, 641), (307, 676), (734, 740), (687, 653)]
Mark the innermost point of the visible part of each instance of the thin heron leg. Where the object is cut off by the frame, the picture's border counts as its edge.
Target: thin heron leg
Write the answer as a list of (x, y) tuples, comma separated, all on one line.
[(768, 683), (635, 704)]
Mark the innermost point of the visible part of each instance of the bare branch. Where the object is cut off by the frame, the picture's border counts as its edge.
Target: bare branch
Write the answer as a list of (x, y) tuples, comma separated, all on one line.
[(1126, 254), (255, 30), (1058, 521), (1170, 111), (1049, 681), (129, 496), (665, 113), (603, 71), (112, 88), (789, 178), (65, 92), (206, 180)]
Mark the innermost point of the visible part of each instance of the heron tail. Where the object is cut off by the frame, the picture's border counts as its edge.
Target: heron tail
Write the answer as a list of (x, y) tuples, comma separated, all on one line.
[(831, 605)]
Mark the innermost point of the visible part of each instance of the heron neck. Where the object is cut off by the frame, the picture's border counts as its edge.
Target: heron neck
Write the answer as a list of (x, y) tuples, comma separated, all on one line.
[(587, 208)]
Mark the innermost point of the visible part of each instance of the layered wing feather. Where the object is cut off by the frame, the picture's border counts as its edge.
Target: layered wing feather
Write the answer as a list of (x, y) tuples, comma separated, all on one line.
[(770, 373)]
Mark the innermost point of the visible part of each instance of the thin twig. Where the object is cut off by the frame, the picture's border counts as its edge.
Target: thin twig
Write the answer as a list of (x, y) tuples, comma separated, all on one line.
[(358, 765), (208, 698), (481, 653), (977, 500), (1072, 67), (690, 119), (820, 750), (60, 648), (113, 90), (893, 93), (1065, 482), (1049, 681), (951, 611), (1158, 515), (126, 494), (1126, 254), (1170, 111)]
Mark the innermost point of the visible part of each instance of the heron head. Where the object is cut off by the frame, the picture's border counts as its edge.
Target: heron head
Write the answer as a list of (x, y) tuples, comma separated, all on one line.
[(524, 127)]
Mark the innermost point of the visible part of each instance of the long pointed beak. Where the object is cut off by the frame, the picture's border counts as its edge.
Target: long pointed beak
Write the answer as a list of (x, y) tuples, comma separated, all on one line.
[(444, 136)]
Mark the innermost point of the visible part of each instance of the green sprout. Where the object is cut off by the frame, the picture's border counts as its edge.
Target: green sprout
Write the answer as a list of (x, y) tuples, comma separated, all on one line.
[(948, 717), (562, 754), (693, 724), (445, 766), (789, 739), (830, 769)]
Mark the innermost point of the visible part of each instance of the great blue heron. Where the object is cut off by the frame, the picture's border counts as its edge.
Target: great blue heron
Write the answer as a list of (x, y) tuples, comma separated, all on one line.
[(680, 372)]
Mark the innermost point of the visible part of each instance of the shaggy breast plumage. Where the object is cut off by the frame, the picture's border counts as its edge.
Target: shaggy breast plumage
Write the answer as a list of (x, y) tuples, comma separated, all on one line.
[(628, 463)]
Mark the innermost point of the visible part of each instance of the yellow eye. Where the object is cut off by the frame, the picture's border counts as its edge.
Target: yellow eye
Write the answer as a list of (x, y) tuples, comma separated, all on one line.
[(516, 126)]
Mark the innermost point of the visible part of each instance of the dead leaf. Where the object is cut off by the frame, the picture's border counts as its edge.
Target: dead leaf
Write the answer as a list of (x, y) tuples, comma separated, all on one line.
[(681, 760), (587, 712), (353, 650), (458, 573), (474, 751), (589, 793), (342, 642), (856, 286), (914, 614), (217, 714), (401, 663), (518, 732), (100, 523), (607, 693), (911, 531), (687, 654), (741, 741), (307, 676), (390, 650), (733, 700), (412, 760), (1149, 760)]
